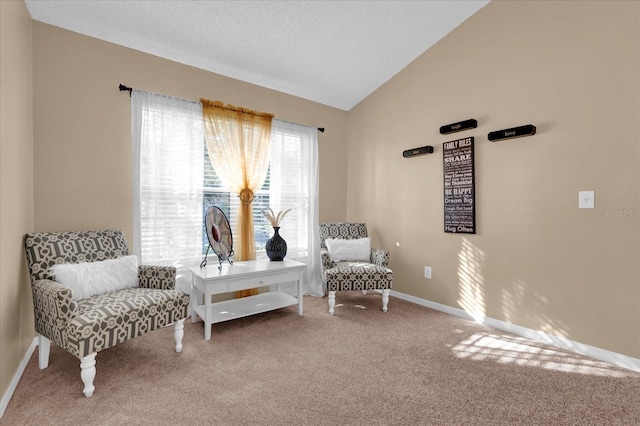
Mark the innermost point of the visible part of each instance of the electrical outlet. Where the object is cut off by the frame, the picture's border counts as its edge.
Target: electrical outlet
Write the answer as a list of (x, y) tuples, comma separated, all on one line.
[(427, 272)]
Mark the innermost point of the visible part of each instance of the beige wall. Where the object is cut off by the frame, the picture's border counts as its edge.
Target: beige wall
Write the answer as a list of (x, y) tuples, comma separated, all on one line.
[(83, 172), (571, 69), (16, 186), (537, 260)]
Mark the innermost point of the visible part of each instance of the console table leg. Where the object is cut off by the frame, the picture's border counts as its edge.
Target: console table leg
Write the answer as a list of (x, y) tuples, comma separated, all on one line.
[(207, 314), (194, 300), (300, 296), (207, 331)]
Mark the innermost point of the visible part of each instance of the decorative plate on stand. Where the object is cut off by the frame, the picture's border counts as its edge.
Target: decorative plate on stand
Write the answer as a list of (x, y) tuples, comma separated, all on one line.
[(219, 235)]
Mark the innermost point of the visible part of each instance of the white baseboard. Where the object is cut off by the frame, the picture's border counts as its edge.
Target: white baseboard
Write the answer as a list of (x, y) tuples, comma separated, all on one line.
[(614, 358), (4, 402)]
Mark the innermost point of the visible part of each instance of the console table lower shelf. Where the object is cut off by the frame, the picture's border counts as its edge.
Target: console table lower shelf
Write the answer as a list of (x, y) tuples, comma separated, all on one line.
[(238, 308)]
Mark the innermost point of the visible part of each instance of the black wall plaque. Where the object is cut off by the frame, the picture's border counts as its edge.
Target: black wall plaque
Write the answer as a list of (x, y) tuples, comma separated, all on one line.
[(459, 186), (458, 127), (515, 132), (417, 151)]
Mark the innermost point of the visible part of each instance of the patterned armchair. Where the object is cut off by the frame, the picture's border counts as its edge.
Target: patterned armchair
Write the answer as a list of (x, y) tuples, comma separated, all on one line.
[(345, 275), (86, 326)]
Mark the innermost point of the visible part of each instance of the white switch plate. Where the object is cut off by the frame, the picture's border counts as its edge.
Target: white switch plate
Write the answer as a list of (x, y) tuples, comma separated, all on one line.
[(427, 272), (586, 199)]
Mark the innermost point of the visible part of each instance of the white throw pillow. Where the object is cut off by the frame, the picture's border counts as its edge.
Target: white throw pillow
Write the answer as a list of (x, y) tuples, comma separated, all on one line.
[(95, 278), (356, 250)]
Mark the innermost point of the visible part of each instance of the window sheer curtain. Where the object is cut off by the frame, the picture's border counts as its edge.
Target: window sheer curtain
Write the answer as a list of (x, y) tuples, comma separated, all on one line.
[(238, 146), (168, 162), (294, 185)]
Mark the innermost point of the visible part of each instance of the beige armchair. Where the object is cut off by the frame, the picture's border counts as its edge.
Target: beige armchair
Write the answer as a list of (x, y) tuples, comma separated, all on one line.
[(86, 326), (341, 273)]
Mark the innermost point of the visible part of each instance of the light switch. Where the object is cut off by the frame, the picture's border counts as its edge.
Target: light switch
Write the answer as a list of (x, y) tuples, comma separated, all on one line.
[(586, 199)]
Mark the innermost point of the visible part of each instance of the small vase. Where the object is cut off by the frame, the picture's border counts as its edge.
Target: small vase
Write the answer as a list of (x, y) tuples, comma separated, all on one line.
[(276, 246)]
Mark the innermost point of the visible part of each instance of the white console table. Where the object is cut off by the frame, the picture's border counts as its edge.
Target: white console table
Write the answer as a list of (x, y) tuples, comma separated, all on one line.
[(244, 275)]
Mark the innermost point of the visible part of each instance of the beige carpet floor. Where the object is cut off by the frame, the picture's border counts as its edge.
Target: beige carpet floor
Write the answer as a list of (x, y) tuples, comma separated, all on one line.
[(409, 366)]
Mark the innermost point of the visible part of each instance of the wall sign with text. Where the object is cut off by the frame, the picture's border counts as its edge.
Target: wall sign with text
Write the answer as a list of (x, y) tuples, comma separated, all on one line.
[(459, 188)]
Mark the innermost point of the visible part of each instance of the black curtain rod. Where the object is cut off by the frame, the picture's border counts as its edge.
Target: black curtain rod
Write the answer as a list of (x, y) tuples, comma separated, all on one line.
[(124, 88)]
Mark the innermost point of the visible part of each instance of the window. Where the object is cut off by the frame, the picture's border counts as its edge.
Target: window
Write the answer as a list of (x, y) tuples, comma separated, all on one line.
[(216, 194), (288, 185), (174, 184)]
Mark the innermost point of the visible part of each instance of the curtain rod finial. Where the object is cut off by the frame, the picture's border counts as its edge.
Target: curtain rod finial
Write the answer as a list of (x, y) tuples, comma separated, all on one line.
[(321, 129), (123, 88)]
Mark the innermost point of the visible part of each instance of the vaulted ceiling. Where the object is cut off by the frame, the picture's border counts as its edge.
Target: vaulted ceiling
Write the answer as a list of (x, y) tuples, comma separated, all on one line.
[(332, 52)]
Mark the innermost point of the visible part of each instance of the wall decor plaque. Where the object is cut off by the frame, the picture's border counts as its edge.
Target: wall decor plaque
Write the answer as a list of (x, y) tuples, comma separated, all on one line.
[(459, 127), (417, 151), (515, 132), (459, 186)]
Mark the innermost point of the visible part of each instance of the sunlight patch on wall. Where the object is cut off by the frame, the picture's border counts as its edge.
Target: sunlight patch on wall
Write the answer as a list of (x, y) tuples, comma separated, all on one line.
[(471, 281), (553, 327), (518, 296), (508, 349), (511, 298)]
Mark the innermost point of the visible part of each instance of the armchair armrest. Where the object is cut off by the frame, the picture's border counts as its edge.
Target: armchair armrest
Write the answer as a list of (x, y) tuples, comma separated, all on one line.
[(326, 259), (53, 308), (157, 277), (380, 257)]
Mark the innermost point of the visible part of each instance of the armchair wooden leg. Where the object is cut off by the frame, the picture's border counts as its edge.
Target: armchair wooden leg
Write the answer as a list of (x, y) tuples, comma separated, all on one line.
[(88, 373), (332, 302), (178, 332), (44, 345), (385, 299)]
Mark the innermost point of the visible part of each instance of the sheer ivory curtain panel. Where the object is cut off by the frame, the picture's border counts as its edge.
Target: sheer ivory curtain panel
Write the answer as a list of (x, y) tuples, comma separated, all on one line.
[(168, 162), (294, 185)]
